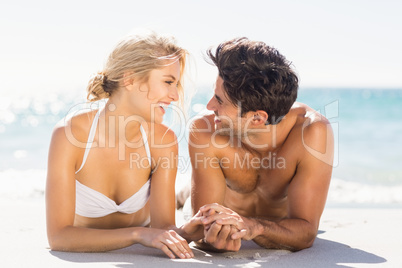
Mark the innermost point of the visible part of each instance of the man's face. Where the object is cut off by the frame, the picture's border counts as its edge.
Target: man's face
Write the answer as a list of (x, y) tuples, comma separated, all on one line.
[(228, 120)]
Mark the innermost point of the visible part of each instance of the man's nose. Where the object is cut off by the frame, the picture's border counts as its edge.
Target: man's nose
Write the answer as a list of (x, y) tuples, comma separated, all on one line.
[(211, 105)]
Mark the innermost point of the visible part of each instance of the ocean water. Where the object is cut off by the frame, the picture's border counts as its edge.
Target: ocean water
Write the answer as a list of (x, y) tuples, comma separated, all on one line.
[(367, 125)]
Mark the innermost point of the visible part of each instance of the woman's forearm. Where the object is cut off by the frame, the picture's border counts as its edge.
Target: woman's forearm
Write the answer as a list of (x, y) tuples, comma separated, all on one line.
[(79, 239)]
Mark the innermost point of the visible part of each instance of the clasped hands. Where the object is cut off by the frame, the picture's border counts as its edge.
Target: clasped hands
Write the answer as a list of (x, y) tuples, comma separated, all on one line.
[(222, 227)]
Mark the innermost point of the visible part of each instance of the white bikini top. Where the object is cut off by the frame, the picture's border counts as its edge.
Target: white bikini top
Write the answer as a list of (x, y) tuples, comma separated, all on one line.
[(93, 204)]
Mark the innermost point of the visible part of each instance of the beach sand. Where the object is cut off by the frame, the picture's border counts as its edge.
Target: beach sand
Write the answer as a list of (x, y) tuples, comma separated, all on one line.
[(347, 238)]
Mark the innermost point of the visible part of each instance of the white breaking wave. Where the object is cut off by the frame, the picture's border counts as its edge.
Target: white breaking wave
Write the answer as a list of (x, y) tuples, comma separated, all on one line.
[(344, 192)]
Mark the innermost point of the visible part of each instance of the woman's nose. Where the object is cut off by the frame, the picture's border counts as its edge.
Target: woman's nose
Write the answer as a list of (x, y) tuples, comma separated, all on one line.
[(174, 94)]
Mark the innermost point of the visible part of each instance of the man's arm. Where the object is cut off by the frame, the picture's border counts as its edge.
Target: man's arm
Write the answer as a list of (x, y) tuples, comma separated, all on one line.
[(208, 184), (307, 194)]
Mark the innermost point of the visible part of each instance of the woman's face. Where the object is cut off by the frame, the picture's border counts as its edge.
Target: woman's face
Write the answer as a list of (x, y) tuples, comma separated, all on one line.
[(158, 92)]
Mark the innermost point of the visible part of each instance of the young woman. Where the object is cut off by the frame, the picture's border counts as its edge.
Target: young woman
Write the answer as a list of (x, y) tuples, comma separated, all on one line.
[(111, 172)]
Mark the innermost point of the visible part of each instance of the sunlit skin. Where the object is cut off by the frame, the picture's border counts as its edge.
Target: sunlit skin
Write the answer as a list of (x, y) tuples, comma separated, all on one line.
[(108, 170), (267, 183), (137, 100)]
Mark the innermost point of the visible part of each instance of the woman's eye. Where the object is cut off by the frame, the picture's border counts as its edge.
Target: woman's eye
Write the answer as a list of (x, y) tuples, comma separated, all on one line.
[(169, 82)]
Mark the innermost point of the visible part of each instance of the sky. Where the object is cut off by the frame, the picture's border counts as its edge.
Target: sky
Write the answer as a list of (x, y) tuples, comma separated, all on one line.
[(47, 46)]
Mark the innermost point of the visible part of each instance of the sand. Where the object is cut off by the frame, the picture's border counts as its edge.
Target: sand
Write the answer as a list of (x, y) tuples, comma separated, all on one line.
[(348, 237)]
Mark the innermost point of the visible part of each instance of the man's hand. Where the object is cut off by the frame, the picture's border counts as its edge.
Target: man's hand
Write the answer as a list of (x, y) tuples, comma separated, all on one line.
[(219, 236), (223, 228), (245, 228)]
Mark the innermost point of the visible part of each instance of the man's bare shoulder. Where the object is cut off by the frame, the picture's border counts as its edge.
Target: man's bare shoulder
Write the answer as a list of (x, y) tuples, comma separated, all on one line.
[(205, 122), (308, 117), (202, 128), (312, 128), (204, 137)]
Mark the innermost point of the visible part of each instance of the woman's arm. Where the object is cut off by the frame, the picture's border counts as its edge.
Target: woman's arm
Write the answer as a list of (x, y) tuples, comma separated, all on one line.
[(163, 205), (164, 154), (60, 211)]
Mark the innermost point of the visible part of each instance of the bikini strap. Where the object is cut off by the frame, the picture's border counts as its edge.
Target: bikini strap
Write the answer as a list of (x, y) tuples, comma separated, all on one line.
[(145, 140), (91, 137)]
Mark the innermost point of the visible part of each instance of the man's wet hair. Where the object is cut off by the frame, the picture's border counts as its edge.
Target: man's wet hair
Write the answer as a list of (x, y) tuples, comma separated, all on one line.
[(256, 76)]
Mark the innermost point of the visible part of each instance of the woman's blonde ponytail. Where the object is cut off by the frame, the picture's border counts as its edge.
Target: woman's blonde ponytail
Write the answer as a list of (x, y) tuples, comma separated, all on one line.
[(95, 88)]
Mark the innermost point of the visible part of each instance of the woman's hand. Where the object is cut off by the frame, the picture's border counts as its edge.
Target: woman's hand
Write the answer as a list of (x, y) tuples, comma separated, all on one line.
[(166, 240), (193, 229)]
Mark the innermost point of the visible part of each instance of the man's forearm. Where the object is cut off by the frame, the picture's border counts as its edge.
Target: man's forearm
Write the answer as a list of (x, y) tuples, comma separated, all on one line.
[(290, 234)]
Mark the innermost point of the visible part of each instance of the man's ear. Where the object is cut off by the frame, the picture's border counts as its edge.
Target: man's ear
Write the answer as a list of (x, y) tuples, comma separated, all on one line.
[(259, 117)]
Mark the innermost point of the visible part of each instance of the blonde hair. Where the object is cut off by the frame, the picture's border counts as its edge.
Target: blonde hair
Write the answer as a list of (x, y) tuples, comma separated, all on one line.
[(139, 55)]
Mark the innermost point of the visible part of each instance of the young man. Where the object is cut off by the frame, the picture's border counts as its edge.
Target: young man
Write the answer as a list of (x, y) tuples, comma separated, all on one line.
[(261, 163)]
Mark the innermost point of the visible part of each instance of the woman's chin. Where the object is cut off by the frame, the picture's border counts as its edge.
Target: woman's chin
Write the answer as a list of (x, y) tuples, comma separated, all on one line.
[(157, 119)]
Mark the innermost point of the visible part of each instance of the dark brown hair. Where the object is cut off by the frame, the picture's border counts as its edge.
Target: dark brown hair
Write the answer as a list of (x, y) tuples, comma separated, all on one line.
[(256, 76)]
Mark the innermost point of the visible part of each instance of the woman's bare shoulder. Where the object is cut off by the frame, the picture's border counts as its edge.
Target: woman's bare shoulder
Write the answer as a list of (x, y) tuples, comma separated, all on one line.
[(160, 134), (74, 129)]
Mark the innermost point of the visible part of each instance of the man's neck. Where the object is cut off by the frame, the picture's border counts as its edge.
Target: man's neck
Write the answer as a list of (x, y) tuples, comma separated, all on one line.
[(269, 138)]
